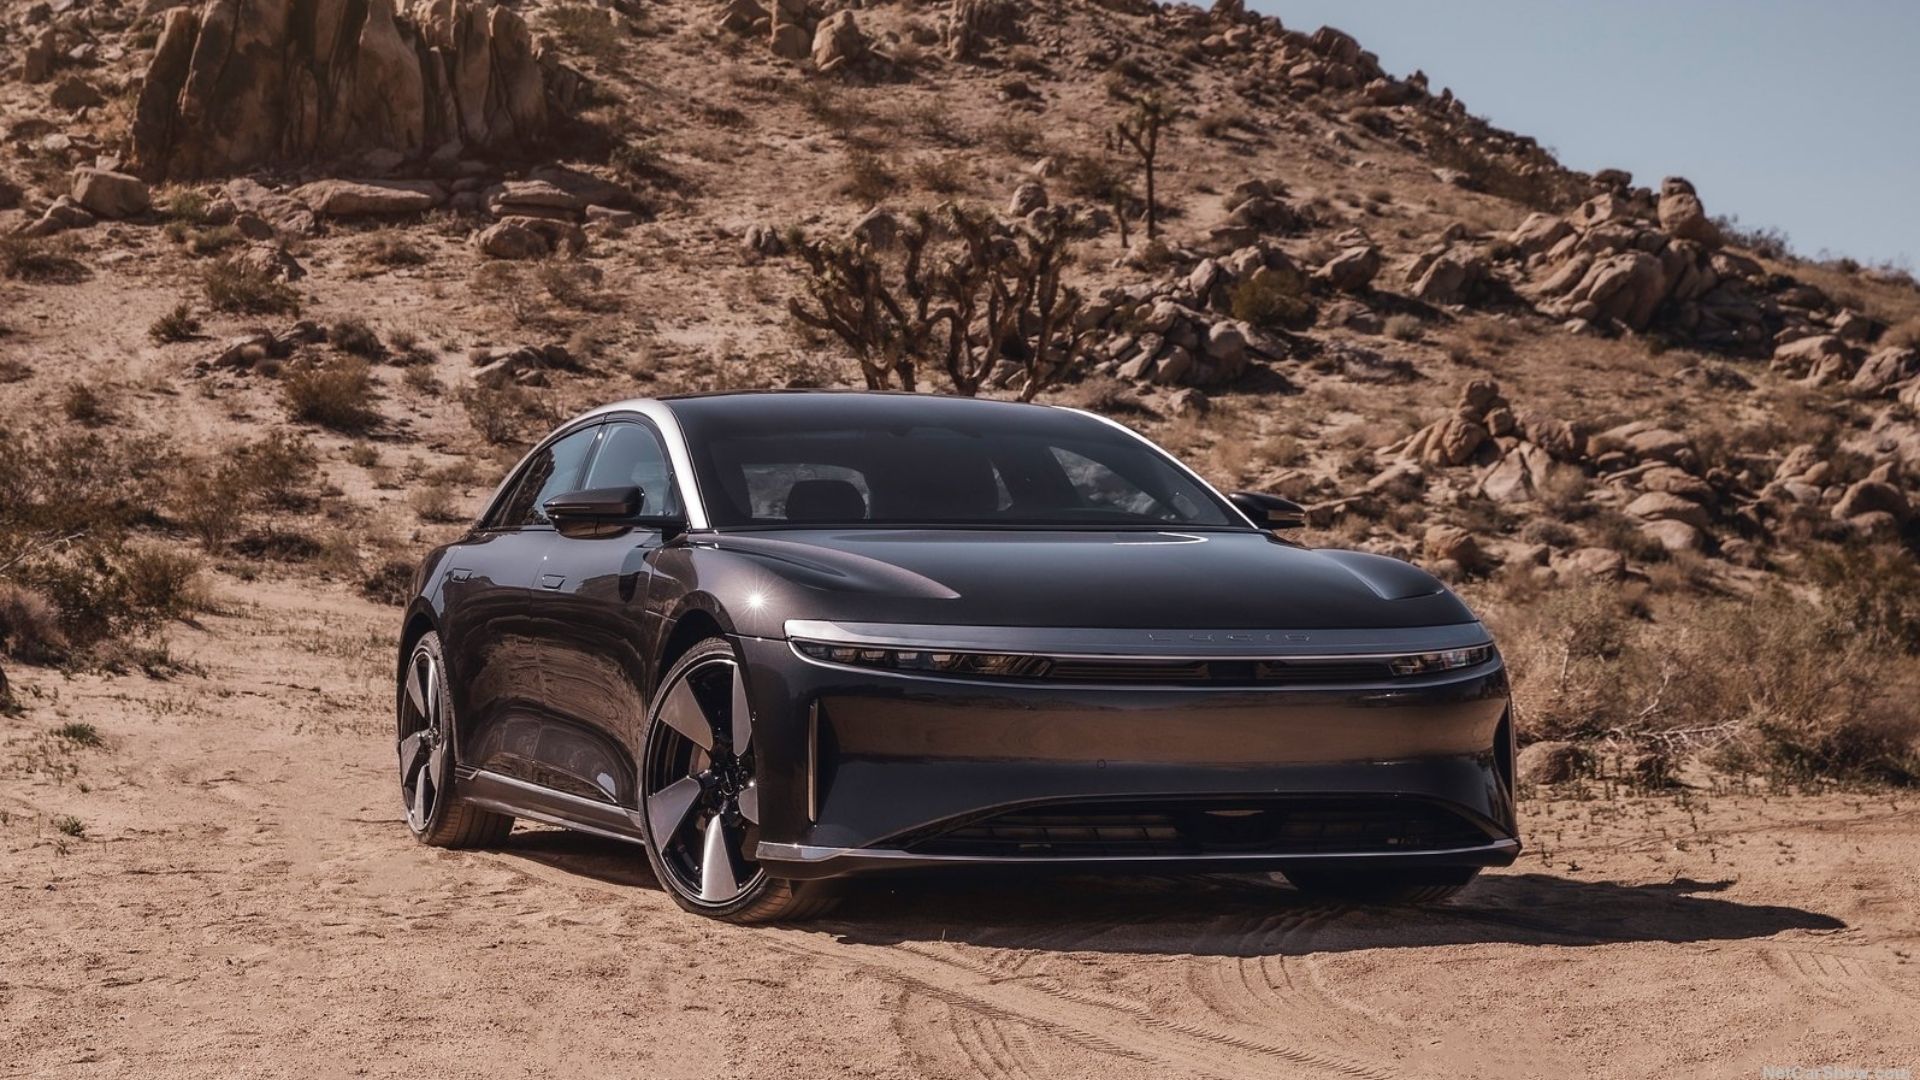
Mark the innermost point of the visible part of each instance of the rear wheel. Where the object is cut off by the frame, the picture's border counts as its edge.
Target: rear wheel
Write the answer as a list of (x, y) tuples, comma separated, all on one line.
[(1425, 885), (702, 799), (426, 755)]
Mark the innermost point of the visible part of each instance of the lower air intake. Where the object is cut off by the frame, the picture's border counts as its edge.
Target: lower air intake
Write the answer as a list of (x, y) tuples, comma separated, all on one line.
[(1206, 827)]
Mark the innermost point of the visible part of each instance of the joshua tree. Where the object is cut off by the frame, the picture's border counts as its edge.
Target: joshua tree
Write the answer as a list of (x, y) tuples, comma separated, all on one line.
[(1141, 129), (957, 289)]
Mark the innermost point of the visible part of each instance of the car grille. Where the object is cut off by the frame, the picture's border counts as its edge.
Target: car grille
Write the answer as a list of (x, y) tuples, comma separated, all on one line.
[(1213, 672), (1295, 826)]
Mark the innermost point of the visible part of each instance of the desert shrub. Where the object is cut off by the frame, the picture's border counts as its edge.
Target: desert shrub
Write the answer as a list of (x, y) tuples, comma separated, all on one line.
[(500, 415), (1763, 240), (435, 504), (186, 205), (393, 249), (573, 284), (1502, 175), (390, 582), (587, 30), (941, 175), (867, 177), (161, 583), (203, 240), (1016, 135), (84, 405), (1905, 335), (337, 394), (1775, 683), (1404, 327), (178, 324), (1272, 299), (354, 337), (29, 625), (1095, 176), (236, 287), (40, 261)]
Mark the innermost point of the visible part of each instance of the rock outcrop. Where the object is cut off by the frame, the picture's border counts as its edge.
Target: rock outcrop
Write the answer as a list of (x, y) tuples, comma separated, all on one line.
[(235, 84)]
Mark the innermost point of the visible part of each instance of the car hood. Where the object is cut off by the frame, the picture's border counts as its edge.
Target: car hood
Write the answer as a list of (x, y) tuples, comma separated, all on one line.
[(1210, 580)]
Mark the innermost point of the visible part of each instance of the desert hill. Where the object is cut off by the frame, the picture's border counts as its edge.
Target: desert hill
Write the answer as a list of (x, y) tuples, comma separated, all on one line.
[(286, 284)]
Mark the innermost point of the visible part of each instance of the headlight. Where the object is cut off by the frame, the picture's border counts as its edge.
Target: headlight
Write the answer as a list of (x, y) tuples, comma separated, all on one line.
[(951, 663), (1429, 663)]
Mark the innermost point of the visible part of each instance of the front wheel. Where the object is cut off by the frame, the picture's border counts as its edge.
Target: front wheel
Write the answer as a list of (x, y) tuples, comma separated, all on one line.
[(425, 749), (700, 793), (1410, 886)]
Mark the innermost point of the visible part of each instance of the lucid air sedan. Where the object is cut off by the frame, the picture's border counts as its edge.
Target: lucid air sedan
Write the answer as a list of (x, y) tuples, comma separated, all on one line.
[(782, 638)]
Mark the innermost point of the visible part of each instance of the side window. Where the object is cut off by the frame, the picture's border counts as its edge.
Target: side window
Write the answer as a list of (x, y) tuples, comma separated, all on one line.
[(632, 454), (553, 471)]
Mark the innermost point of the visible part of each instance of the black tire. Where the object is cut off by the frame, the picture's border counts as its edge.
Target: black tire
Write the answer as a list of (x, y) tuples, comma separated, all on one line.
[(448, 820), (670, 757), (1403, 887)]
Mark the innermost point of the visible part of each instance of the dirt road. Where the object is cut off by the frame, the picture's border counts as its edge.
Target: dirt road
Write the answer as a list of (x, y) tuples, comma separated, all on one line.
[(241, 900)]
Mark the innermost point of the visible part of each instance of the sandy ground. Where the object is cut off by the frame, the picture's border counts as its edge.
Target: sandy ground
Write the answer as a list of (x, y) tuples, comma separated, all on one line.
[(245, 902)]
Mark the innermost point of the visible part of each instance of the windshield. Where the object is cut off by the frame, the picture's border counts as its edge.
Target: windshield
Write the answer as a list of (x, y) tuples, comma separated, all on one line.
[(1007, 467)]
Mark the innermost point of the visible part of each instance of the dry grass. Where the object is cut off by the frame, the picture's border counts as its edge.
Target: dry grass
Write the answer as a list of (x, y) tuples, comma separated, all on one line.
[(243, 290), (337, 394), (40, 262), (178, 324)]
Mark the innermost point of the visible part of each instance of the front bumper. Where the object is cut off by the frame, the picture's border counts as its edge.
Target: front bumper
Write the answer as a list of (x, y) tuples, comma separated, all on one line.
[(866, 770)]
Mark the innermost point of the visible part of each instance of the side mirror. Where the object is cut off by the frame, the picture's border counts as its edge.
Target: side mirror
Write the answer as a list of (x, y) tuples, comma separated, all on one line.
[(1269, 511), (603, 512), (596, 505)]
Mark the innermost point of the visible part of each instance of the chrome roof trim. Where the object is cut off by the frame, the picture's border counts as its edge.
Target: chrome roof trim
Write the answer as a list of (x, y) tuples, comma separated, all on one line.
[(677, 453)]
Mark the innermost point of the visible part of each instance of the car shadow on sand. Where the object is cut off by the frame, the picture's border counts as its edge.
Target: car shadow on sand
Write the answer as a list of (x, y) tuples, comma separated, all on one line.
[(1228, 914), (1260, 915)]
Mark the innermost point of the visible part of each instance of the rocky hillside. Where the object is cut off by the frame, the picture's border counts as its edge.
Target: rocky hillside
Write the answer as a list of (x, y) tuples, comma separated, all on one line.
[(285, 283)]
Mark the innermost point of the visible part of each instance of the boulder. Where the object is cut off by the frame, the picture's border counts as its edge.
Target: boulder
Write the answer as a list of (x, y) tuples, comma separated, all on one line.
[(1451, 277), (234, 86), (1539, 233), (1682, 215), (1551, 762), (36, 63), (1451, 543), (1595, 563), (1352, 270), (1872, 496), (524, 366), (1027, 198), (110, 194), (1188, 401), (369, 198), (839, 42), (530, 238), (1452, 441), (520, 196), (1885, 370), (1823, 357), (790, 41), (1675, 536), (73, 93), (1665, 506), (1524, 474)]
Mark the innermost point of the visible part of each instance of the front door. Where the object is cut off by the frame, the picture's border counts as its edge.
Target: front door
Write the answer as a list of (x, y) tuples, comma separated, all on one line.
[(590, 607), (494, 648)]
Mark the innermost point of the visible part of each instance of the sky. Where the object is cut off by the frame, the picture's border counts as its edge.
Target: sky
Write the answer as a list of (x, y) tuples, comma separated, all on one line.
[(1789, 114)]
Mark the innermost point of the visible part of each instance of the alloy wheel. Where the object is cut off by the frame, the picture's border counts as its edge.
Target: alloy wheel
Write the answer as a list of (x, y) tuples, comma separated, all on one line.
[(425, 746), (702, 800)]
